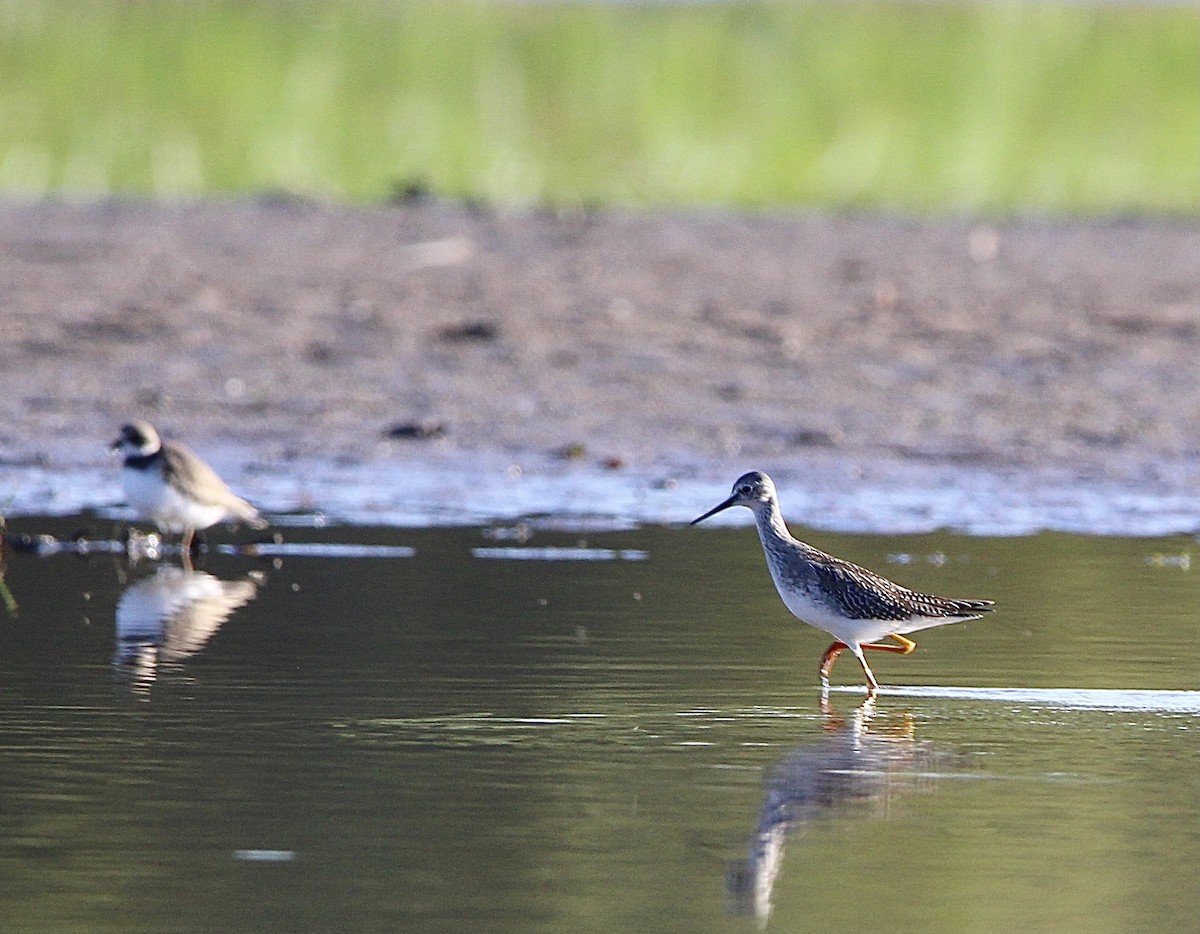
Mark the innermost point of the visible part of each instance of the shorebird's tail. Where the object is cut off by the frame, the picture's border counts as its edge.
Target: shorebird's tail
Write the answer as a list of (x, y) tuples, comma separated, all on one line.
[(942, 611), (247, 513), (930, 611), (971, 606)]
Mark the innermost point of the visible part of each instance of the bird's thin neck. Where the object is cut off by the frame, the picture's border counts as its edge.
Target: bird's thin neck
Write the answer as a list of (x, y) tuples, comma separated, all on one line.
[(771, 527)]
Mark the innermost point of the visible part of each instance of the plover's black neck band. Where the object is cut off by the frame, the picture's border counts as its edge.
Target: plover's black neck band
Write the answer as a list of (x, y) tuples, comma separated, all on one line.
[(141, 461)]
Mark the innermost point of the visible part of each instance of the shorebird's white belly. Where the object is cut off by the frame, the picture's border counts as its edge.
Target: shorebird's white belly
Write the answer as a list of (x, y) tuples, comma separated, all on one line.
[(155, 499), (821, 615), (825, 616)]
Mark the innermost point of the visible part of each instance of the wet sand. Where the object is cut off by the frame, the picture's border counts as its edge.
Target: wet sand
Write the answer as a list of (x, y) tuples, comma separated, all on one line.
[(670, 344)]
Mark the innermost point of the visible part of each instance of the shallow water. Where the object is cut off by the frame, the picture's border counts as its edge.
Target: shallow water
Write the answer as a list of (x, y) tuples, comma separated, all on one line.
[(601, 731), (833, 494)]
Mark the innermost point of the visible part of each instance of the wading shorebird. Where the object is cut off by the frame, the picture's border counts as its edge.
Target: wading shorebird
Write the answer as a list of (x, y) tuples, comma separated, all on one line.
[(852, 604), (167, 484)]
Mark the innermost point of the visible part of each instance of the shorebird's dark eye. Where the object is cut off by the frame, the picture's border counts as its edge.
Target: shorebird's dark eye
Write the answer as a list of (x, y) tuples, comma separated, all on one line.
[(745, 489)]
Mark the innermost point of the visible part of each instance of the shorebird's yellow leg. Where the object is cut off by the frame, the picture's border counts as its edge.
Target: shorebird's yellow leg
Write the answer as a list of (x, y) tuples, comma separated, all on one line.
[(872, 684), (905, 646), (829, 658)]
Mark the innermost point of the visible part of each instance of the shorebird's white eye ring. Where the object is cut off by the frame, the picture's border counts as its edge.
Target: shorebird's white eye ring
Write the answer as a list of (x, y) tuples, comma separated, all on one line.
[(745, 489)]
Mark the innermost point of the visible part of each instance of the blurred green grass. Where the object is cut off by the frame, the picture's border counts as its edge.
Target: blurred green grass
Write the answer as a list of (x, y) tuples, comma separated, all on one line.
[(926, 107)]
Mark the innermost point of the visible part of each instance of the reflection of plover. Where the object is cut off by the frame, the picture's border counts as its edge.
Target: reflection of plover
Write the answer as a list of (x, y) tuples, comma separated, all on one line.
[(854, 605), (173, 488), (170, 616)]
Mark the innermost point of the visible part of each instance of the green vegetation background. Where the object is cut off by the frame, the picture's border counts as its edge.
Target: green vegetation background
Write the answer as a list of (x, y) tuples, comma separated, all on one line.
[(964, 107)]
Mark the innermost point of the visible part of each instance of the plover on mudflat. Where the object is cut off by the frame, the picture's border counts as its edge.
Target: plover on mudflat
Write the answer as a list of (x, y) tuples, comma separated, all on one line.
[(852, 604), (167, 484)]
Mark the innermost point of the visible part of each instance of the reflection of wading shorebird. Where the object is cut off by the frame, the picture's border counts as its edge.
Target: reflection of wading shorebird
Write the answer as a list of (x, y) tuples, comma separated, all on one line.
[(852, 770), (854, 605), (170, 486), (171, 615)]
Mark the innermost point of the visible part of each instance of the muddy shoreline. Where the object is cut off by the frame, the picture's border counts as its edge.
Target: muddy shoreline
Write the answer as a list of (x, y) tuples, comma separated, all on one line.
[(841, 350)]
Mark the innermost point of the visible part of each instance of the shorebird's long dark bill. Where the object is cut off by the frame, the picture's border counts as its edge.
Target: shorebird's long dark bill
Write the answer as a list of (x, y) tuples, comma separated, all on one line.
[(716, 509)]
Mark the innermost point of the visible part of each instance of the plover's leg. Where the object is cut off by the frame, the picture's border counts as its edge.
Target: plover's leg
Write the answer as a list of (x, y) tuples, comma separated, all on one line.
[(185, 549)]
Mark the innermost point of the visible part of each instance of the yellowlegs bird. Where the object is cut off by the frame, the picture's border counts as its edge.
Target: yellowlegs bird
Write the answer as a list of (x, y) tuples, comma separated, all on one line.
[(170, 486), (852, 604)]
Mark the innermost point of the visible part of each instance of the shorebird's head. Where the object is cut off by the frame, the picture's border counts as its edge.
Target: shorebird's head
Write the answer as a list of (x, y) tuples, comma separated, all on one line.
[(138, 438), (754, 490)]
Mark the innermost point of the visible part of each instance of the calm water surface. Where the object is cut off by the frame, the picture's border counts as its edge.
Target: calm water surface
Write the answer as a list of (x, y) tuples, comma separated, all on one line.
[(598, 731)]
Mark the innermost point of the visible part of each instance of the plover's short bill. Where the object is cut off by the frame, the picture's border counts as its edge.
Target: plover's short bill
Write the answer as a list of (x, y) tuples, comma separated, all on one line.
[(167, 484), (852, 604)]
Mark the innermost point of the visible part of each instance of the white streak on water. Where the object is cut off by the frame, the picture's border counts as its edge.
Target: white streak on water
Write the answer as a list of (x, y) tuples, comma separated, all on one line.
[(265, 856), (318, 550), (561, 554), (1061, 698)]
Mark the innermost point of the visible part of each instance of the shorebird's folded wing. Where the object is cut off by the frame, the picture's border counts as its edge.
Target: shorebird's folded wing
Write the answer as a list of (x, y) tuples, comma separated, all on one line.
[(863, 594)]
